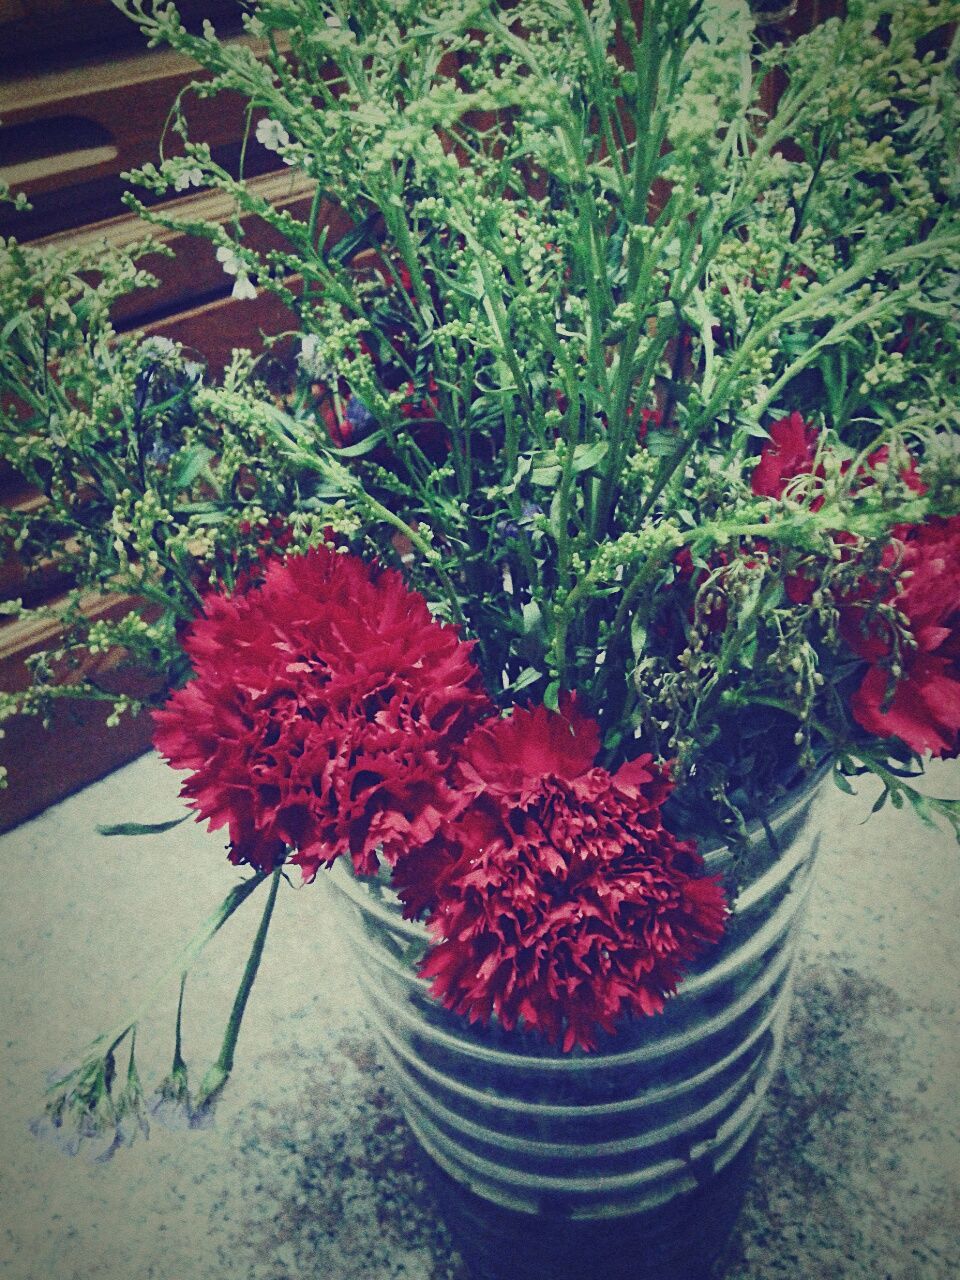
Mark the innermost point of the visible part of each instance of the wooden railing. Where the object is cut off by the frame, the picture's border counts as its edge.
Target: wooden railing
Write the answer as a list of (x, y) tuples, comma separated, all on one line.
[(80, 102)]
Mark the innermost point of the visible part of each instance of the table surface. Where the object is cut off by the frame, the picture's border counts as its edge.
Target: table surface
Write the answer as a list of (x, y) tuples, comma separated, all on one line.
[(307, 1170)]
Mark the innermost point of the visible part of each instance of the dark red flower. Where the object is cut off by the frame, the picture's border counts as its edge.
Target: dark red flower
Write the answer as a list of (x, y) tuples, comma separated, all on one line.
[(648, 418), (427, 408), (687, 573), (879, 461), (276, 535), (561, 901), (339, 429), (323, 714), (402, 273), (800, 271), (790, 452), (920, 702)]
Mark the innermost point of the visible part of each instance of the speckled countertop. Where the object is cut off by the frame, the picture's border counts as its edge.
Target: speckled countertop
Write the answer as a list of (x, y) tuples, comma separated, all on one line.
[(307, 1172)]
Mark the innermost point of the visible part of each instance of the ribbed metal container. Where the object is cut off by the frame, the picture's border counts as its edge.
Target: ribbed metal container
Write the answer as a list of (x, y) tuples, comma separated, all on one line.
[(626, 1162)]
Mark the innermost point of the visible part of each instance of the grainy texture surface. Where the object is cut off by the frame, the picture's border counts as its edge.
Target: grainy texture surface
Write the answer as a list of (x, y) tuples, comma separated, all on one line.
[(308, 1170)]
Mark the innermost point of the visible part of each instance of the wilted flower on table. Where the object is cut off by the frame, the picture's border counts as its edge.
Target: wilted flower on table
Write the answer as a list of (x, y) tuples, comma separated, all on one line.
[(562, 902), (325, 706)]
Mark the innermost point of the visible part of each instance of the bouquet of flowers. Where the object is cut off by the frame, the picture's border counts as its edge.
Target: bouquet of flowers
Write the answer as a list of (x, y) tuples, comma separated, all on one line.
[(614, 490)]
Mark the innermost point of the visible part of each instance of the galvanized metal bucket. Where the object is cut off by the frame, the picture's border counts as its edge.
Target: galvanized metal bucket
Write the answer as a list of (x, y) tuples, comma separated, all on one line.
[(628, 1162)]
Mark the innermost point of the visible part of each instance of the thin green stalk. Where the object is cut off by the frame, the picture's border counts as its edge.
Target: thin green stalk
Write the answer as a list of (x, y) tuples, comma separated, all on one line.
[(338, 472), (600, 84), (806, 358), (566, 479), (803, 308), (219, 1073), (712, 690), (179, 1064), (183, 961)]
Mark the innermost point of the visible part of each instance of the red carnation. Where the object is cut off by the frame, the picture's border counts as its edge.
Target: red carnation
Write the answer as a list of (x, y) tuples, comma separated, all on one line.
[(921, 704), (879, 460), (790, 452), (427, 408), (648, 418), (323, 713), (562, 901), (687, 573)]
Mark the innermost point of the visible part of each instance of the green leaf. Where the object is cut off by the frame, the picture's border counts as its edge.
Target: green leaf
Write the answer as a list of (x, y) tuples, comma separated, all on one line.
[(366, 445), (614, 335), (880, 801), (12, 325), (532, 616), (528, 676), (545, 468), (551, 696), (748, 653), (794, 344), (638, 637), (141, 828), (752, 427), (360, 238), (921, 806), (189, 465), (556, 515), (586, 456), (842, 783), (660, 444), (524, 463)]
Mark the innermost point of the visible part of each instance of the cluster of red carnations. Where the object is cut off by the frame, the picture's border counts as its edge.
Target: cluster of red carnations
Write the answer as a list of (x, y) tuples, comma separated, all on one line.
[(910, 690), (330, 715)]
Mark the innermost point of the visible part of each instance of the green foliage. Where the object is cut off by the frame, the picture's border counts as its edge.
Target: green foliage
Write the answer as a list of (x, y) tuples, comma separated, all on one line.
[(91, 1102), (568, 221), (586, 273), (150, 477)]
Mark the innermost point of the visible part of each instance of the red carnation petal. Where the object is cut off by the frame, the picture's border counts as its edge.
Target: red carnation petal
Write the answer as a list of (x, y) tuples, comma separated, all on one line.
[(922, 707), (790, 452), (924, 711), (325, 711), (562, 902)]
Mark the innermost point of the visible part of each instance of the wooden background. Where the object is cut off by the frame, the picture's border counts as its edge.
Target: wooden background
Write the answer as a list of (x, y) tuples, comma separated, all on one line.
[(81, 101)]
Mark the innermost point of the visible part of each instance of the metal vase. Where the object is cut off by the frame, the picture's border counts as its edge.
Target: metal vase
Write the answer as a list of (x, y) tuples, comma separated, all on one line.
[(629, 1162)]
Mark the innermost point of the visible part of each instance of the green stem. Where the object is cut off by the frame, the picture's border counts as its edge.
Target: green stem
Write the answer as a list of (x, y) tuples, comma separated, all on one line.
[(600, 86), (429, 553), (179, 1064), (181, 964), (219, 1073)]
